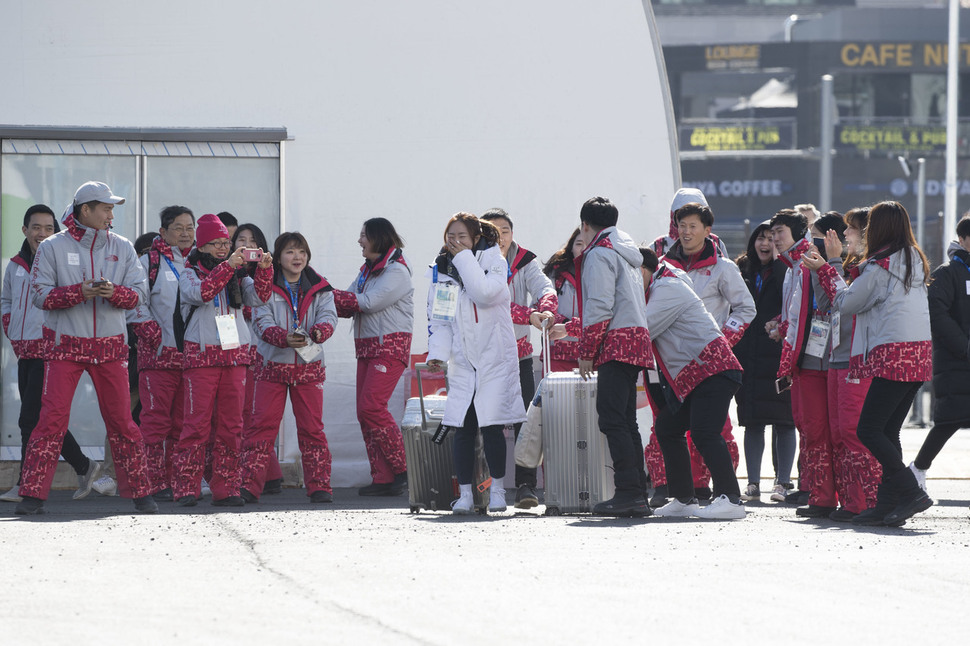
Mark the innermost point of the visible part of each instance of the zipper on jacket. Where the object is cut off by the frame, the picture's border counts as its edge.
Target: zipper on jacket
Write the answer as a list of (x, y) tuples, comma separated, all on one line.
[(94, 300), (475, 307)]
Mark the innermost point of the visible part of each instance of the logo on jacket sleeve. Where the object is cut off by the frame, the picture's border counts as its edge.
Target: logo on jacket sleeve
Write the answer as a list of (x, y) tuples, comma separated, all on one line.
[(111, 258)]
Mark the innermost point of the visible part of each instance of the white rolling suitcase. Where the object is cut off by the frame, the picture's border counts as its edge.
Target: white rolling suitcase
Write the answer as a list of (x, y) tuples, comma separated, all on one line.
[(578, 466)]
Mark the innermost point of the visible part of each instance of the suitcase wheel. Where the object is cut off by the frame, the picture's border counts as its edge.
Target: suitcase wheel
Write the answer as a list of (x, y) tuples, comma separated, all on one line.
[(553, 511), (415, 510)]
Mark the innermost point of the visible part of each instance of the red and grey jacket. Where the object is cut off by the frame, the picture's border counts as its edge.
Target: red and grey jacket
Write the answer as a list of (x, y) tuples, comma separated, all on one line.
[(687, 341), (567, 349), (381, 302), (719, 283), (313, 311), (86, 331), (796, 307), (892, 338), (531, 291), (152, 320), (612, 310), (204, 297), (23, 323)]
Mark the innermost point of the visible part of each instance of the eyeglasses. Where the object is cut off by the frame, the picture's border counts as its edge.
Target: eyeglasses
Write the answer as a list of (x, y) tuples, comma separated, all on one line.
[(218, 245), (181, 230)]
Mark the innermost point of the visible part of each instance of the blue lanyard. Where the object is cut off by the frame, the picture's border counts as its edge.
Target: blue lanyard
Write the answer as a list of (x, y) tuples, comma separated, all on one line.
[(960, 260), (293, 304), (757, 283), (434, 274), (362, 279), (172, 266)]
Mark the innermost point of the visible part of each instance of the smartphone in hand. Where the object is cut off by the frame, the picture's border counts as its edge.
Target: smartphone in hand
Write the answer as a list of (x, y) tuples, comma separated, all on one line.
[(252, 255)]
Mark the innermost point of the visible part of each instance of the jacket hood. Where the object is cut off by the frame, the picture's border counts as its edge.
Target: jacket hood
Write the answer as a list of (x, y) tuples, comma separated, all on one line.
[(681, 197), (621, 243), (953, 249)]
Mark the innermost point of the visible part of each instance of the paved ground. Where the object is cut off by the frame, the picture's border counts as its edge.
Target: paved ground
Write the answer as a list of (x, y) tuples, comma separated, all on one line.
[(367, 570)]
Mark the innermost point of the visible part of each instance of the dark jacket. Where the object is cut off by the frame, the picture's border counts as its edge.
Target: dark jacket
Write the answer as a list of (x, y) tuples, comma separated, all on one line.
[(950, 324), (758, 403)]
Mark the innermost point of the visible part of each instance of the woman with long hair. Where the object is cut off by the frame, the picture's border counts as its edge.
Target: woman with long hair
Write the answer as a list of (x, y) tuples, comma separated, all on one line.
[(561, 270), (380, 301), (891, 344), (471, 330)]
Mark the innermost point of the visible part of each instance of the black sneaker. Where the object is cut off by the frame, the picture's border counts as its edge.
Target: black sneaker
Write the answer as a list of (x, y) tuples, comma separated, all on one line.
[(633, 507), (526, 497), (165, 495), (146, 505), (842, 515), (187, 501), (273, 486), (796, 497), (400, 484), (659, 498), (814, 511), (908, 508), (248, 496), (321, 496), (29, 506), (229, 501), (377, 489), (702, 493)]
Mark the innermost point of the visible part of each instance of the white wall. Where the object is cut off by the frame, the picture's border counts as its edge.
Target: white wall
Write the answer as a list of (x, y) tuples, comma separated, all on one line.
[(409, 110)]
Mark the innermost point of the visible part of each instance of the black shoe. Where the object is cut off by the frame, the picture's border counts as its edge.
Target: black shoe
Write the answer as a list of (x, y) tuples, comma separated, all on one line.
[(321, 496), (842, 515), (273, 486), (400, 484), (229, 501), (659, 498), (247, 496), (377, 489), (885, 503), (187, 501), (29, 506), (525, 497), (633, 507), (815, 511), (702, 493), (146, 505), (165, 495), (910, 499), (796, 497)]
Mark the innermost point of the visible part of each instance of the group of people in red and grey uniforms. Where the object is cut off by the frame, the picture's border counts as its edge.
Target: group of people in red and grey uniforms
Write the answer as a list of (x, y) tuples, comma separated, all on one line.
[(185, 301)]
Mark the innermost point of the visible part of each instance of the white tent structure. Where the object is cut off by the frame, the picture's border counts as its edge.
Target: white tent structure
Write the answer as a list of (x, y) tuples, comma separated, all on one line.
[(358, 108)]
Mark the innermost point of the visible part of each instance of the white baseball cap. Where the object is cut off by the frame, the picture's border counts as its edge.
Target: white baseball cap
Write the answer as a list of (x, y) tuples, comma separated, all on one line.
[(96, 192)]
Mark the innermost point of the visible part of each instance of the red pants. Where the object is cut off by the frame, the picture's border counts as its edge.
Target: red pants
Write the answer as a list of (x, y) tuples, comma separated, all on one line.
[(376, 380), (273, 471), (203, 387), (561, 365), (269, 401), (811, 414), (654, 459), (114, 399), (162, 400), (857, 472)]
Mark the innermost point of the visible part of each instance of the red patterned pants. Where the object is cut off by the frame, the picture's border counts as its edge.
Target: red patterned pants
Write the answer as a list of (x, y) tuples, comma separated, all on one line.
[(811, 414), (162, 400), (654, 459), (268, 403), (857, 472), (114, 399), (376, 380), (203, 387), (273, 471)]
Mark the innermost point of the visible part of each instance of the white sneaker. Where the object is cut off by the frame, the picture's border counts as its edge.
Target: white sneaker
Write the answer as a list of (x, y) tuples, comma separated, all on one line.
[(721, 509), (496, 500), (106, 486), (86, 482), (464, 505), (778, 493), (677, 509), (205, 489), (751, 492), (920, 475), (13, 495)]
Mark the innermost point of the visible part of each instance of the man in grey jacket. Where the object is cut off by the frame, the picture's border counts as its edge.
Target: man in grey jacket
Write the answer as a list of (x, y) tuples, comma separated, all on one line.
[(86, 278)]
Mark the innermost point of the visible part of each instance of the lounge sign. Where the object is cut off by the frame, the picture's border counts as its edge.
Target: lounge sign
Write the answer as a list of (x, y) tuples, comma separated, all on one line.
[(886, 138), (753, 137)]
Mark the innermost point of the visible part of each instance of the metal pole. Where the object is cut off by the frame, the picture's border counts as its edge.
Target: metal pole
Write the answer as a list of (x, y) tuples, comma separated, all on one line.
[(920, 201), (825, 146), (952, 134)]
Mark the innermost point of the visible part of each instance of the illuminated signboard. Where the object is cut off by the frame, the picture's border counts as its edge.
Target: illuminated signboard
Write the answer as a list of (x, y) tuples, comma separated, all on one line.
[(732, 57), (738, 137), (900, 55), (887, 138)]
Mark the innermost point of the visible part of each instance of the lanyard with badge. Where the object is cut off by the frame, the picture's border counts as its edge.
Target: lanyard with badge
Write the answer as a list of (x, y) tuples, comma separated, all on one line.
[(311, 350), (818, 333), (445, 304), (226, 326), (960, 260), (174, 270)]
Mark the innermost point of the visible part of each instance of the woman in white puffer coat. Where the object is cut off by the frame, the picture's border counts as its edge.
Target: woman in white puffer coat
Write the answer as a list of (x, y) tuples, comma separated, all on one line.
[(471, 330)]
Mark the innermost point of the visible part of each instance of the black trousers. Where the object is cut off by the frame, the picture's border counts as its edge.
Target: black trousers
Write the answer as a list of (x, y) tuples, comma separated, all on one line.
[(883, 414), (527, 381), (934, 442), (30, 383), (616, 406), (703, 412), (494, 439)]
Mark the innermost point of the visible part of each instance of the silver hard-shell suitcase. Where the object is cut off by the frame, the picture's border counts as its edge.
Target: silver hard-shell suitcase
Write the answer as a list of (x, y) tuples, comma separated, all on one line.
[(432, 484), (578, 466)]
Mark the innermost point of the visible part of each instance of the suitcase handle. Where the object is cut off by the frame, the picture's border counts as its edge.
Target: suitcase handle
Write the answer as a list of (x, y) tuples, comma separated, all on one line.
[(546, 359), (418, 367)]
